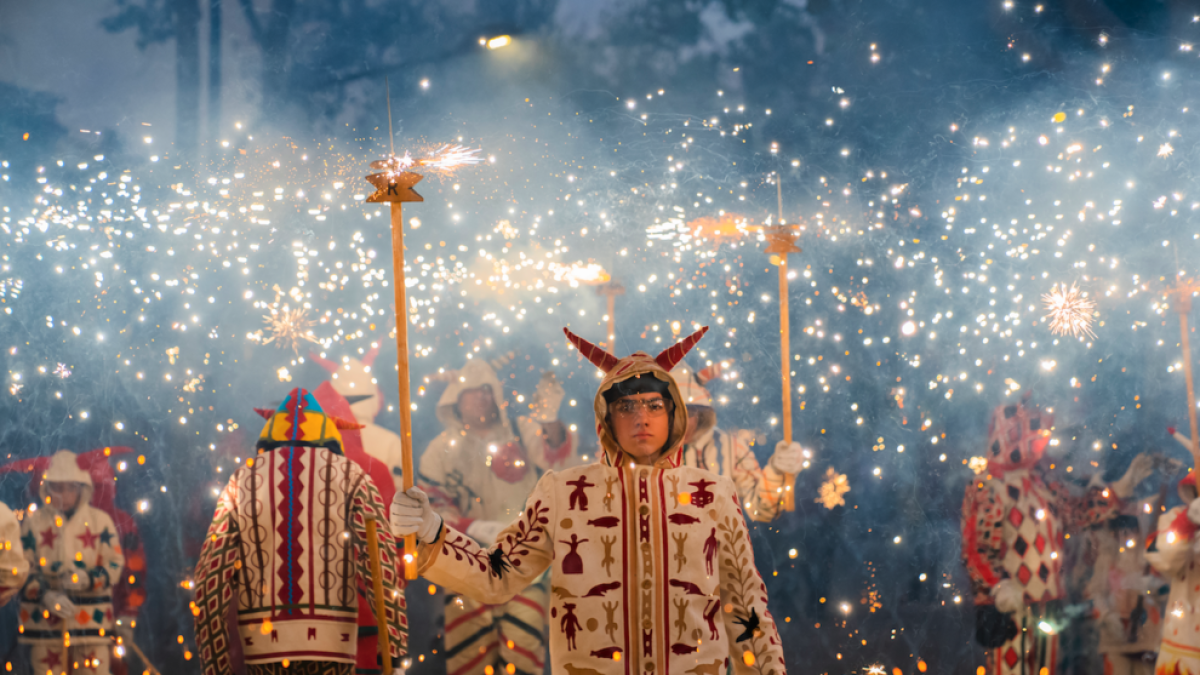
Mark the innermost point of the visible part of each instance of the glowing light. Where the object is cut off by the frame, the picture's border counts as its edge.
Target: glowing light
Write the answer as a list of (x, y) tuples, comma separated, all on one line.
[(499, 42), (1069, 311)]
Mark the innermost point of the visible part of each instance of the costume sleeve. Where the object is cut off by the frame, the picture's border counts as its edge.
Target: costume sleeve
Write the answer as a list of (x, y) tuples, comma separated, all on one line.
[(758, 488), (983, 545), (368, 504), (754, 645), (36, 583), (443, 484), (220, 558), (1097, 505), (544, 457), (493, 575), (110, 559), (1170, 549), (14, 567)]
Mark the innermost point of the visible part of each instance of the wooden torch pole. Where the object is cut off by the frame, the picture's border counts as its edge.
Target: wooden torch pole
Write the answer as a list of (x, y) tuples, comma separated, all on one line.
[(395, 188), (782, 243), (1183, 304), (385, 649)]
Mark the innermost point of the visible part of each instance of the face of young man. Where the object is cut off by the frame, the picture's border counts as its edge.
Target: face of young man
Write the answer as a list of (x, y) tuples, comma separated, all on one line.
[(477, 408), (641, 424), (64, 496)]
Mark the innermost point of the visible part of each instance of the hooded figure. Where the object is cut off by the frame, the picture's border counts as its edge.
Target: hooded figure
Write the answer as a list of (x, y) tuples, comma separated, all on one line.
[(650, 564), (726, 454), (129, 587), (1013, 523), (75, 551), (1173, 552), (354, 381), (1126, 596), (288, 547), (477, 473)]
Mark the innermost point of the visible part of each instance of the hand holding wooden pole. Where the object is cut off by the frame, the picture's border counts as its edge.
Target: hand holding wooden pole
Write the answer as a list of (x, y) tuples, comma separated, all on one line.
[(783, 242), (395, 187), (385, 638), (1182, 302)]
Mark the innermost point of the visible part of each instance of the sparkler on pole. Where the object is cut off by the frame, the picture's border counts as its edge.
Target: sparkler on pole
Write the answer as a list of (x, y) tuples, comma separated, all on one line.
[(1181, 296), (782, 240)]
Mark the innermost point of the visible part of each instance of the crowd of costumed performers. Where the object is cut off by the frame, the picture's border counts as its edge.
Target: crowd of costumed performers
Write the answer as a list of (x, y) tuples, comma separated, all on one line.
[(635, 559)]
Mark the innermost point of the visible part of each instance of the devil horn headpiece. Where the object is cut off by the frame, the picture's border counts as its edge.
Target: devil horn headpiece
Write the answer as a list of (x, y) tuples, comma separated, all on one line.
[(369, 358), (666, 360), (602, 359), (710, 373), (674, 354)]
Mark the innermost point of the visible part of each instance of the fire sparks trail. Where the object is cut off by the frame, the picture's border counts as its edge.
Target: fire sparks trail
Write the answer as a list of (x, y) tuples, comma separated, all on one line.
[(1069, 311)]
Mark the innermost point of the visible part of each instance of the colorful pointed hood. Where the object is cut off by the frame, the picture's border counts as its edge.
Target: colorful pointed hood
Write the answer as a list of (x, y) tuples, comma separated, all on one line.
[(638, 364), (301, 422)]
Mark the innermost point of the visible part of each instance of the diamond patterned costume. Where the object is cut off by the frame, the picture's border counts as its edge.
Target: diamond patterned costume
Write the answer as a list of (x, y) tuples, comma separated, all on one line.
[(288, 547), (1013, 526)]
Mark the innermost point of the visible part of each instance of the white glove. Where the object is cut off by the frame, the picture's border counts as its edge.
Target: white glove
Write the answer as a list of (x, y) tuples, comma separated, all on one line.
[(1194, 511), (1009, 596), (485, 531), (412, 514), (56, 603), (547, 398), (1139, 470), (788, 457)]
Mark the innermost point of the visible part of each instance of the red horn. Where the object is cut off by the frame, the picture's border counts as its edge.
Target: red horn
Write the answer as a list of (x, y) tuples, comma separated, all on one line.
[(343, 425), (328, 365), (87, 459), (675, 353), (602, 359), (369, 359), (265, 413), (710, 373), (32, 465)]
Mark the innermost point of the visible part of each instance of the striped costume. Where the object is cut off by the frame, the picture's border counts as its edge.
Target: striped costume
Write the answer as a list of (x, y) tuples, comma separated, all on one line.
[(288, 546)]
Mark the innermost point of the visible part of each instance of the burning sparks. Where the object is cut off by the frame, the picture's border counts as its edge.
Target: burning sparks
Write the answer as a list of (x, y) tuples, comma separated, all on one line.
[(288, 327), (831, 491), (1069, 311)]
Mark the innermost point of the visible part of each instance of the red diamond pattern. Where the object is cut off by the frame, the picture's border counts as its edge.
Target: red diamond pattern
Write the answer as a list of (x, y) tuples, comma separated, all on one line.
[(1011, 657), (1040, 543), (1015, 517), (1024, 575)]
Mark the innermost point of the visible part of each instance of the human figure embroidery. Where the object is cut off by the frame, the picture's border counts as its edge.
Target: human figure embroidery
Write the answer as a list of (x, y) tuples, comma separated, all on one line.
[(573, 562), (711, 545), (570, 624), (710, 615), (578, 495)]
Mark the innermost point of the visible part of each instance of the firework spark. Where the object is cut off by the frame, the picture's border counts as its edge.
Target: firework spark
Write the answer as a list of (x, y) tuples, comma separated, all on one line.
[(1069, 311), (288, 327), (444, 159), (831, 491)]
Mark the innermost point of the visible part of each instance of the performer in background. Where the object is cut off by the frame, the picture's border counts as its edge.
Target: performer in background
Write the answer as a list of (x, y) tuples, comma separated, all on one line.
[(1013, 523), (128, 587), (14, 568), (1172, 551), (477, 474), (74, 550), (650, 565), (760, 489), (288, 545), (355, 381)]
